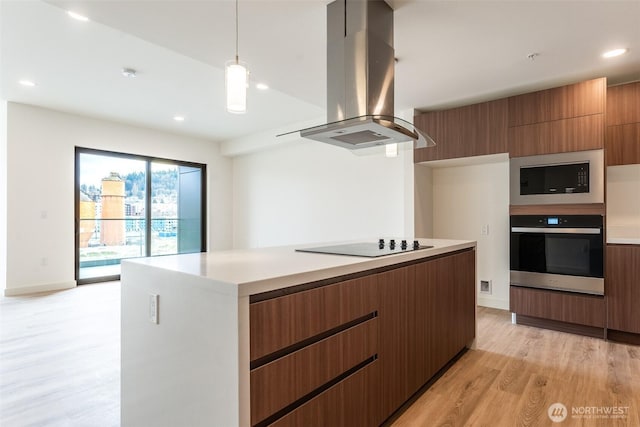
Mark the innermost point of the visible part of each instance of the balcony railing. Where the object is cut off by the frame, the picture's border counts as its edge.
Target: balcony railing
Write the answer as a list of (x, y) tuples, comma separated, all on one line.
[(105, 242)]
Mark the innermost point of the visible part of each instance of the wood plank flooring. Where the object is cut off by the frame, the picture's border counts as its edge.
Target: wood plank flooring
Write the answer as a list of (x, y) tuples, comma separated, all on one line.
[(60, 356), (517, 372)]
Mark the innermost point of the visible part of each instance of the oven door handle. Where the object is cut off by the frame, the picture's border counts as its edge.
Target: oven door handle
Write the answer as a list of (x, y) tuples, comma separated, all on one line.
[(554, 230)]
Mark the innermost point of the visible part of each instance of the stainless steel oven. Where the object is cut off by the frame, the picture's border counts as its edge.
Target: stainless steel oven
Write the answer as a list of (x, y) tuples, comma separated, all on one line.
[(562, 252)]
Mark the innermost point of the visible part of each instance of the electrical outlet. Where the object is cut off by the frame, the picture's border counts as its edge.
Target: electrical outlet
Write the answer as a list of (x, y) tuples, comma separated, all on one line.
[(485, 230), (485, 287), (153, 308), (44, 261)]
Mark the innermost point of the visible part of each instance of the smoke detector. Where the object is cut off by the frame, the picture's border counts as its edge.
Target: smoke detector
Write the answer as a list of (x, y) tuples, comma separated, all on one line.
[(129, 72)]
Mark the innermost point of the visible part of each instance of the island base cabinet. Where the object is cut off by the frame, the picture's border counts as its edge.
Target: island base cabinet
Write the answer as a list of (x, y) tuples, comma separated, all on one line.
[(352, 352), (353, 402), (427, 316)]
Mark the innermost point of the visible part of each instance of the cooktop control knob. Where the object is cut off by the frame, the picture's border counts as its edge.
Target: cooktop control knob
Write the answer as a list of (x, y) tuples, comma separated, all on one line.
[(392, 244), (381, 243), (416, 244), (403, 244)]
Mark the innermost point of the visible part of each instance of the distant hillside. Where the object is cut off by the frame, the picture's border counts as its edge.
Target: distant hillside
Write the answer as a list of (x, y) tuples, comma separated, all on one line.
[(163, 182)]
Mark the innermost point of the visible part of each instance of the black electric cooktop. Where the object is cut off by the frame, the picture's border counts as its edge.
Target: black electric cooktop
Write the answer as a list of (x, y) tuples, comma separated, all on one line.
[(369, 249)]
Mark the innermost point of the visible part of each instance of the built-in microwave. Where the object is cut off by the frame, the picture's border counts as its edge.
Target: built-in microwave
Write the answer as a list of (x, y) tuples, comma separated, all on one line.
[(576, 177)]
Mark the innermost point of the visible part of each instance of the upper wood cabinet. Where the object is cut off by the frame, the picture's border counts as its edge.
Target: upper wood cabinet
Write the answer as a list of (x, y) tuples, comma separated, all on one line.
[(576, 100), (623, 104), (473, 130), (622, 138), (558, 136), (622, 143), (558, 120)]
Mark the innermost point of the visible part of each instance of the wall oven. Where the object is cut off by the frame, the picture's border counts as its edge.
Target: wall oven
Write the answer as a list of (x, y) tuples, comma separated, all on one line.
[(576, 177), (561, 252)]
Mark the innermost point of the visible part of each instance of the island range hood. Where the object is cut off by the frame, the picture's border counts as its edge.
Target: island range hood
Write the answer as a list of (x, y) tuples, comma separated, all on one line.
[(360, 77)]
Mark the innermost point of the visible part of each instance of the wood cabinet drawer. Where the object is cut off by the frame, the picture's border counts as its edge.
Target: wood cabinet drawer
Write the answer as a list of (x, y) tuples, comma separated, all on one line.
[(353, 402), (280, 322), (280, 383), (560, 306), (623, 144), (576, 134)]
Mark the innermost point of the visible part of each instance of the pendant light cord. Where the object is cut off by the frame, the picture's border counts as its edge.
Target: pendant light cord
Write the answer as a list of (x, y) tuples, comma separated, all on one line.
[(237, 57)]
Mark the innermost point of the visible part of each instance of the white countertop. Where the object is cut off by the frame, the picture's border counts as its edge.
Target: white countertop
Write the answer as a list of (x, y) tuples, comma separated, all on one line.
[(266, 269), (623, 234)]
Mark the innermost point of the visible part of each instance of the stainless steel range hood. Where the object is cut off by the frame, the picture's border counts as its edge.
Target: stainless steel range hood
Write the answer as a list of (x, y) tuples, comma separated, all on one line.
[(360, 74)]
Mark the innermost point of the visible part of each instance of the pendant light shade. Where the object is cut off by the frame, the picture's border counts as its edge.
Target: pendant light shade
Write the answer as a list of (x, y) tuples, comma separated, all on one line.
[(236, 79)]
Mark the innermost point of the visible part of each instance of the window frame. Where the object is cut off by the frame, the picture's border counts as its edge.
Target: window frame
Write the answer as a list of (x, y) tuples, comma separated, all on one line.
[(148, 223)]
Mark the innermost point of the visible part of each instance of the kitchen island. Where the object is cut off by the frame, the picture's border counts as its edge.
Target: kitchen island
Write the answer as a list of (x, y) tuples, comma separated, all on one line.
[(274, 336)]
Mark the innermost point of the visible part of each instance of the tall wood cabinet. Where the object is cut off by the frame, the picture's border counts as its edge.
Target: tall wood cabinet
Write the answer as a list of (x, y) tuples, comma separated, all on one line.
[(622, 287), (622, 139)]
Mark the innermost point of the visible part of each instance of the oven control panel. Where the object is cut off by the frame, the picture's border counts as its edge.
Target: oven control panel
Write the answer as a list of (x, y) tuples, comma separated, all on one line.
[(557, 221)]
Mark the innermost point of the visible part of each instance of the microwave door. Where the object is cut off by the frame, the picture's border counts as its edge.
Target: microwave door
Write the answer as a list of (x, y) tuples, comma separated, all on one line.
[(562, 178)]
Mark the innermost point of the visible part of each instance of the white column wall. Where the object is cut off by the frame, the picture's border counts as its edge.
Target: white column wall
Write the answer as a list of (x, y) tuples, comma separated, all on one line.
[(623, 203), (466, 199), (3, 193)]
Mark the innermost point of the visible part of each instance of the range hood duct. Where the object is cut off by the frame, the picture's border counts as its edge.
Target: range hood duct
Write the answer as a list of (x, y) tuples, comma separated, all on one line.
[(360, 76)]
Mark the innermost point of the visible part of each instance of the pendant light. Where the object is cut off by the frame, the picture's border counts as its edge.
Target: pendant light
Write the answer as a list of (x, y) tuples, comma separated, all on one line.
[(236, 79)]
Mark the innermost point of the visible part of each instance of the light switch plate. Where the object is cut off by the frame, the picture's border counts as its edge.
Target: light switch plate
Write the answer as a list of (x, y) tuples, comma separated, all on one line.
[(153, 308)]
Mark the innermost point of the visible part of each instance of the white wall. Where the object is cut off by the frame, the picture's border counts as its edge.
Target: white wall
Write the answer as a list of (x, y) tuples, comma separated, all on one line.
[(466, 198), (623, 197), (423, 200), (3, 193), (306, 191), (40, 188)]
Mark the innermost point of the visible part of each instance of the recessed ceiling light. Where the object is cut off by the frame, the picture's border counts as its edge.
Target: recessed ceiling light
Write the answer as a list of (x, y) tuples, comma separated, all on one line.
[(614, 52), (262, 86), (178, 118), (28, 83), (77, 16)]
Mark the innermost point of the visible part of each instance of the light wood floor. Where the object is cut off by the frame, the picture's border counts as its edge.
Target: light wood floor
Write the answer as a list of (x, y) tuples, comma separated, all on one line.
[(60, 355), (517, 372), (60, 358)]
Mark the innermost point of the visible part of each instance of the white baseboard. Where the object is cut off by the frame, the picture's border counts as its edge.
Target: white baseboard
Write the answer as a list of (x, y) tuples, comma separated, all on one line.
[(487, 301), (27, 290)]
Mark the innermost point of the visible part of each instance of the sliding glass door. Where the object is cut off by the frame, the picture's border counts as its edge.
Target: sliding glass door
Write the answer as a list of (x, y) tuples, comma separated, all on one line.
[(133, 206)]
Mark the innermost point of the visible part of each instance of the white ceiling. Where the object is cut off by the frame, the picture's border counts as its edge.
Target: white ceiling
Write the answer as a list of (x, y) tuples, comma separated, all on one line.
[(449, 53)]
